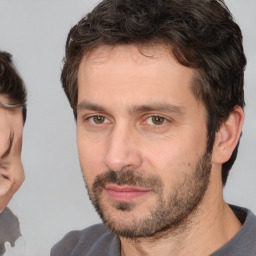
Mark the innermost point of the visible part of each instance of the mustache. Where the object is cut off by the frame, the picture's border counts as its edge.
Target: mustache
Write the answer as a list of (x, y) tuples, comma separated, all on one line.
[(127, 177)]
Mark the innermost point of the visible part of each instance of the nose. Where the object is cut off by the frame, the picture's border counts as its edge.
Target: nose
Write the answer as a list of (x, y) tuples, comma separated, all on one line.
[(122, 151)]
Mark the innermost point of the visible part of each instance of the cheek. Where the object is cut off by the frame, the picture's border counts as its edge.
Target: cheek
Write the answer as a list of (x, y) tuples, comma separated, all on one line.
[(90, 156), (20, 172), (18, 146), (16, 173), (171, 162)]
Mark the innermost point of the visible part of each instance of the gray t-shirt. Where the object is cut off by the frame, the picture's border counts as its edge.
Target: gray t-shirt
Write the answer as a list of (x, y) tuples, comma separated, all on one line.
[(98, 241)]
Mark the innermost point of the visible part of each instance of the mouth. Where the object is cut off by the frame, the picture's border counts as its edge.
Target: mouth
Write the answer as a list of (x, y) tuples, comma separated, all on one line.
[(125, 193)]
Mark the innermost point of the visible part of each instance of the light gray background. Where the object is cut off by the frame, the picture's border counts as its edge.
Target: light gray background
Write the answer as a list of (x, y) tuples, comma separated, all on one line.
[(53, 200)]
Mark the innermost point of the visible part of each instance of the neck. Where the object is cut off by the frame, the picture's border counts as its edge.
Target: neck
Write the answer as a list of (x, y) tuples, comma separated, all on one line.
[(207, 229)]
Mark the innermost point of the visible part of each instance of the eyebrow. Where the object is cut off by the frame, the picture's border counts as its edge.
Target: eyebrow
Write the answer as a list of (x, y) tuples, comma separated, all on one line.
[(163, 107), (88, 106), (8, 150)]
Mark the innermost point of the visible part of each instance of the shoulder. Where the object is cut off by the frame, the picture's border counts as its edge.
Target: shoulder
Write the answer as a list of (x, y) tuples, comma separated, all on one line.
[(246, 217), (95, 240), (247, 233), (244, 242)]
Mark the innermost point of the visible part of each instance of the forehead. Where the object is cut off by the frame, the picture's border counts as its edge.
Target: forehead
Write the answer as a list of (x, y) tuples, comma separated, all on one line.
[(4, 98), (128, 71), (6, 131), (140, 56)]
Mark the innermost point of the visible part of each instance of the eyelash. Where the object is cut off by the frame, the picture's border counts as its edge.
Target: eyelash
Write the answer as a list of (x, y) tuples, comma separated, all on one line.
[(99, 118), (162, 120), (92, 120)]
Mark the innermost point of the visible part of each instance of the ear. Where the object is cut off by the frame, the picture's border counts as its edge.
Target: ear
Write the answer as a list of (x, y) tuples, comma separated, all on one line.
[(227, 137)]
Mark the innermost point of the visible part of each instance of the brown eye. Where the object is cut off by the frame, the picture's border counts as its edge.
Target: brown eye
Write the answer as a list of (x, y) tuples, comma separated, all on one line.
[(98, 119), (156, 120)]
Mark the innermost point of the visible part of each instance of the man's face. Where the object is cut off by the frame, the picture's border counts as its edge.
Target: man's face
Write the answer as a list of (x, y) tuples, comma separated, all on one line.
[(141, 138), (11, 170)]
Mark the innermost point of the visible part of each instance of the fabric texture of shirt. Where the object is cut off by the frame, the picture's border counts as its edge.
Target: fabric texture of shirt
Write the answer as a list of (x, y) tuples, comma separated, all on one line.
[(98, 241)]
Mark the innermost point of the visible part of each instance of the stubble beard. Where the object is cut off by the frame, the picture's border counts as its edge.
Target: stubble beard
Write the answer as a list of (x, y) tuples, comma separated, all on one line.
[(166, 215)]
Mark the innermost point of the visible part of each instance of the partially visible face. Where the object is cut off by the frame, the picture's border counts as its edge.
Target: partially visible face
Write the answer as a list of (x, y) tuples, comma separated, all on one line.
[(11, 169), (141, 138)]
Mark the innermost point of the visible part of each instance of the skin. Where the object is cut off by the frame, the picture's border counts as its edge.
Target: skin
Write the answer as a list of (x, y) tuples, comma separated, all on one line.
[(124, 89), (11, 169)]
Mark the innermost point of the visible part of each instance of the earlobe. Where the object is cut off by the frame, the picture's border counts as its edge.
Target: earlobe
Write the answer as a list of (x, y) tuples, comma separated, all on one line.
[(228, 136)]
